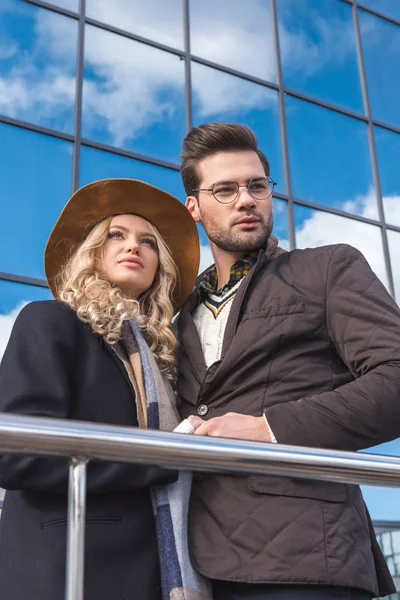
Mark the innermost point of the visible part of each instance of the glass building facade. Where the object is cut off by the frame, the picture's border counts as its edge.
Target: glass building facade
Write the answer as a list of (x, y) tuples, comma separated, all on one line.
[(91, 89)]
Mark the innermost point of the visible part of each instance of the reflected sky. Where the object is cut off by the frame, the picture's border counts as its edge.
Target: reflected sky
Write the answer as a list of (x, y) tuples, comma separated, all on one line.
[(381, 47), (388, 152), (69, 4), (318, 50), (281, 223), (37, 65), (318, 228), (13, 296), (384, 503), (391, 8), (133, 95), (36, 173), (394, 249), (218, 96), (329, 158), (154, 19), (235, 34)]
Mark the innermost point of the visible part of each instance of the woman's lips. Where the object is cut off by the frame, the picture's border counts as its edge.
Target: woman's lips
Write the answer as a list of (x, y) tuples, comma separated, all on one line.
[(131, 263)]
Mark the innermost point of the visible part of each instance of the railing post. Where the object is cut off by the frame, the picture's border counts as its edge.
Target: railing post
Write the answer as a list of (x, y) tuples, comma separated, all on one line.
[(74, 576)]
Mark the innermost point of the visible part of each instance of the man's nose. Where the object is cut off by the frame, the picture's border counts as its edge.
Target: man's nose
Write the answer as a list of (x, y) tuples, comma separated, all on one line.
[(245, 199)]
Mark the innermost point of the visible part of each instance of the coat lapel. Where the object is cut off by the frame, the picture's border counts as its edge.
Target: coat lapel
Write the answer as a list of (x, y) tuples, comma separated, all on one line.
[(190, 339), (264, 256)]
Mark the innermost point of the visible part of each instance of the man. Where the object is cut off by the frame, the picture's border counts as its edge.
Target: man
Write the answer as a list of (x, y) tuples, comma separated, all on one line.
[(298, 347)]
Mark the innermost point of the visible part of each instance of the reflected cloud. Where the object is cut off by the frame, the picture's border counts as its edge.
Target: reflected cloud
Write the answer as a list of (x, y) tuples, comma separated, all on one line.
[(322, 228), (206, 258), (131, 87)]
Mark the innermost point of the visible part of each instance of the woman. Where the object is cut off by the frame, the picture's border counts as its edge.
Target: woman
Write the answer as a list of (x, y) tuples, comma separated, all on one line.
[(91, 355)]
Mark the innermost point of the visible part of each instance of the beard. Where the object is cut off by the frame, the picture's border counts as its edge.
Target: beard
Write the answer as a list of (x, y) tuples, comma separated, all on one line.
[(239, 241)]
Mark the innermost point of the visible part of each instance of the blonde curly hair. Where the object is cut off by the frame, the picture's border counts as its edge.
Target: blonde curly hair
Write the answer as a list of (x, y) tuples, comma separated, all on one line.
[(102, 305)]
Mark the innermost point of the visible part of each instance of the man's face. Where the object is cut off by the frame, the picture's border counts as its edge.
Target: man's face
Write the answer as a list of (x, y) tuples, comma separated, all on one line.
[(243, 225)]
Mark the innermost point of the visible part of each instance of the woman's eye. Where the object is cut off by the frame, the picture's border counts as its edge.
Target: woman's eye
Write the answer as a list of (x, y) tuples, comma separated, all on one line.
[(148, 242), (115, 234)]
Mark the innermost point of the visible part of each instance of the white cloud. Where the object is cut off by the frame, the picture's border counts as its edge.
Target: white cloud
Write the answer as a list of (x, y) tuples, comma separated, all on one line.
[(324, 228), (6, 325), (206, 258), (133, 86)]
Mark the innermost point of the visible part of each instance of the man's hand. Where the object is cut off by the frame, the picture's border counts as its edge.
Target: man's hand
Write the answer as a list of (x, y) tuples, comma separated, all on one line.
[(233, 425)]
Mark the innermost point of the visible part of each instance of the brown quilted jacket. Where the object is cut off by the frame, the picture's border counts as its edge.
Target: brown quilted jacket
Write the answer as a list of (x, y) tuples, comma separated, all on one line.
[(313, 338)]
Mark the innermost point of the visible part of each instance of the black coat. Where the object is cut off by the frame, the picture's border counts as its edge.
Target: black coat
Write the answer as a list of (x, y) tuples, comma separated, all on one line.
[(54, 366)]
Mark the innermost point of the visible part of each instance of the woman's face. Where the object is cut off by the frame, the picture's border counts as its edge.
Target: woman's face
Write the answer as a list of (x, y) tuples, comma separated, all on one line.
[(130, 254)]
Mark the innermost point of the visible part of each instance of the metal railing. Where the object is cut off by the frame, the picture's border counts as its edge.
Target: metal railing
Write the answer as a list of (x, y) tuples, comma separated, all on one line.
[(82, 442)]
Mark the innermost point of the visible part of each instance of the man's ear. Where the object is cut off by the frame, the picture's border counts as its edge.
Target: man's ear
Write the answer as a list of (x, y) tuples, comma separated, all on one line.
[(193, 207)]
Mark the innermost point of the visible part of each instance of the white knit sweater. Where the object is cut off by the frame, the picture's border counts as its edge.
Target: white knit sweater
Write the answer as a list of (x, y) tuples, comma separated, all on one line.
[(211, 323)]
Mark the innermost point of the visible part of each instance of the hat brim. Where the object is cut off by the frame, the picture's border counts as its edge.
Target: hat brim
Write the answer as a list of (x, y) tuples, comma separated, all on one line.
[(101, 199)]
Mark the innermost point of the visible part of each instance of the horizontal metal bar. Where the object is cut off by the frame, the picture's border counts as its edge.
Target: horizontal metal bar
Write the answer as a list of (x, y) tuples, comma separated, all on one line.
[(134, 37), (129, 154), (23, 279), (323, 104), (36, 435), (53, 8), (378, 13), (36, 128), (337, 211)]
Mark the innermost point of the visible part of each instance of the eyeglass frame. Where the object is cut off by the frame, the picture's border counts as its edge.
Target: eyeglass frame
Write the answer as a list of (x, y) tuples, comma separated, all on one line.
[(269, 179)]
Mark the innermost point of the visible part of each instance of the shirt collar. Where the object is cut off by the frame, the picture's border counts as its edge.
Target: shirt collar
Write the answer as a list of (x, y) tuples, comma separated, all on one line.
[(239, 270)]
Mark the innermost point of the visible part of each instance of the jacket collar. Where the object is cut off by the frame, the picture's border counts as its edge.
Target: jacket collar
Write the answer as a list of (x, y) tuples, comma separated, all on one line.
[(189, 335)]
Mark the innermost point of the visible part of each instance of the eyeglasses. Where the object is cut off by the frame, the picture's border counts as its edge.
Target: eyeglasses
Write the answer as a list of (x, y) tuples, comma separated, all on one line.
[(225, 192)]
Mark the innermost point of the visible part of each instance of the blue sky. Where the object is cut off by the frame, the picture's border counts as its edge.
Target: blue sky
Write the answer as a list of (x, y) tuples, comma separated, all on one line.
[(133, 98)]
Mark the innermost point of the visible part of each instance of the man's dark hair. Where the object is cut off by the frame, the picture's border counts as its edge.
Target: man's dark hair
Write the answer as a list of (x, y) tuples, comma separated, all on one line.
[(211, 138)]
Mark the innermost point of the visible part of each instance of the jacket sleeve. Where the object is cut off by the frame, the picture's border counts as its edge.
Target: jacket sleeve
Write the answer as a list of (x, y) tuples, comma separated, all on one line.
[(363, 323), (35, 379)]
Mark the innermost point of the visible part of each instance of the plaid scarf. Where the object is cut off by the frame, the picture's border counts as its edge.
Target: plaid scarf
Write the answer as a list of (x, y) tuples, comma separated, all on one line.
[(156, 409), (239, 270)]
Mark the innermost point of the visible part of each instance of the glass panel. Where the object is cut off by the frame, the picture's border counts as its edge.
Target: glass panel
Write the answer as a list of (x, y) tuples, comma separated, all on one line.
[(394, 248), (318, 228), (154, 19), (98, 164), (218, 96), (235, 34), (386, 544), (206, 257), (69, 4), (330, 168), (381, 41), (318, 50), (388, 151), (391, 8), (396, 542), (280, 229), (35, 184), (384, 503), (133, 95), (13, 297), (37, 65)]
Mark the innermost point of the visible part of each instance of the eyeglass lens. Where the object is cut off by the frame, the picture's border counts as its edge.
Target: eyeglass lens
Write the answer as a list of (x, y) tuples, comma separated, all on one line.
[(227, 191)]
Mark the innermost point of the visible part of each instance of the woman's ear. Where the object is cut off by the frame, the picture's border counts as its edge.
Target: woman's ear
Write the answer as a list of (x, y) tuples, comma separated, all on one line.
[(192, 205)]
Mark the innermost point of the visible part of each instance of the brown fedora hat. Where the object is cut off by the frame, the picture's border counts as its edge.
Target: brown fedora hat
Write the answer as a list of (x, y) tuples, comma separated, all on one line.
[(100, 199)]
